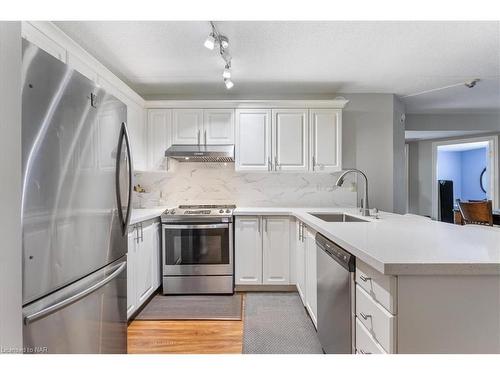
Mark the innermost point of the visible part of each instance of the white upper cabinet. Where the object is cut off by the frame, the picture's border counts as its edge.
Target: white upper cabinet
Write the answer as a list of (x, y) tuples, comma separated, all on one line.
[(35, 36), (326, 140), (276, 250), (137, 133), (159, 130), (218, 127), (248, 250), (290, 140), (253, 140), (187, 126)]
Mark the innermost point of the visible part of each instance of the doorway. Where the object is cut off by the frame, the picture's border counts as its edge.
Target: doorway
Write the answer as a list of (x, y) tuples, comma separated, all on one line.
[(463, 170)]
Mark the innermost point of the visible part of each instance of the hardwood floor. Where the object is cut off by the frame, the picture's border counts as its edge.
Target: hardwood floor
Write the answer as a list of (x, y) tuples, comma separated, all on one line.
[(186, 336)]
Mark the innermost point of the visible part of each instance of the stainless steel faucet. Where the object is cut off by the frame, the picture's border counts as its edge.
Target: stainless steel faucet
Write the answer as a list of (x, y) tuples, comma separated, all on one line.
[(365, 206)]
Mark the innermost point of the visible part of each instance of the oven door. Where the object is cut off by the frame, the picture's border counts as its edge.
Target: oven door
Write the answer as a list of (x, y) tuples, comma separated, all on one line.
[(197, 249)]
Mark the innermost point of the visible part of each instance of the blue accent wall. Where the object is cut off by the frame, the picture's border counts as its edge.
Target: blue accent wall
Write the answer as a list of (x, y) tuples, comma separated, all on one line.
[(464, 169), (450, 168), (473, 163)]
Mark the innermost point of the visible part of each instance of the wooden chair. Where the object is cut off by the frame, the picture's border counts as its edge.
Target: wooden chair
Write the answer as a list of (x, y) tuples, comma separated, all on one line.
[(476, 212)]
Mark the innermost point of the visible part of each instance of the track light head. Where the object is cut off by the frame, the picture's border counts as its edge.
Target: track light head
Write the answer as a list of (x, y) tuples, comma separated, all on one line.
[(229, 84), (471, 84), (224, 42), (210, 42), (227, 72)]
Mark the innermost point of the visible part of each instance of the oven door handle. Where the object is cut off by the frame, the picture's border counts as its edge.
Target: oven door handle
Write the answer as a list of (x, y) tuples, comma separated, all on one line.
[(195, 226)]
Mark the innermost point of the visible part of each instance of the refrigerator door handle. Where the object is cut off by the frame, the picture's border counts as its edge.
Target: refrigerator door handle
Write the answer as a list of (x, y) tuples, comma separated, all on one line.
[(125, 221), (75, 297)]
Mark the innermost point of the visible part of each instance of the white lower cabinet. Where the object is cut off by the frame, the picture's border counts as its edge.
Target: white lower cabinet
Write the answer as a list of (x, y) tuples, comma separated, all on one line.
[(311, 278), (143, 264), (300, 262), (365, 343), (248, 250), (305, 268), (262, 250), (131, 272), (276, 250), (376, 306)]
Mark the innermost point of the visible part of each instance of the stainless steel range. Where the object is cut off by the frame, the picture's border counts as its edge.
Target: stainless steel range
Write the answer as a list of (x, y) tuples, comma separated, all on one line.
[(198, 250)]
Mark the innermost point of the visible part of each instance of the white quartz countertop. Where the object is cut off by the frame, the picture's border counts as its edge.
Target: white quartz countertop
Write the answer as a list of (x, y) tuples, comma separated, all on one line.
[(405, 244), (143, 214)]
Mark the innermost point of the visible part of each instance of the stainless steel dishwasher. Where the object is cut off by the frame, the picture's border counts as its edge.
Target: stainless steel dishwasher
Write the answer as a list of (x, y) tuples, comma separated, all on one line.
[(335, 297)]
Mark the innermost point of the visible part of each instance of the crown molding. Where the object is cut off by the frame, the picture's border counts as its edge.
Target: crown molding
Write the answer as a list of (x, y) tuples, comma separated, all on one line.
[(259, 104)]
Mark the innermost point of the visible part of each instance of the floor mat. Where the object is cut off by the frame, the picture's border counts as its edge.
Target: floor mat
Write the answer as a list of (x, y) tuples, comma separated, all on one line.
[(206, 307), (277, 323)]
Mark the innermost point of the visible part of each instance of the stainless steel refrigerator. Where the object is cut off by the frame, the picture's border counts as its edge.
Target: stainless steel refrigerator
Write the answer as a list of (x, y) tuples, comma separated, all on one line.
[(76, 206)]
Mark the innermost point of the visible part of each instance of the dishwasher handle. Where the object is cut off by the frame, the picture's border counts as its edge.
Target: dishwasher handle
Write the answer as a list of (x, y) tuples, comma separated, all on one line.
[(342, 257)]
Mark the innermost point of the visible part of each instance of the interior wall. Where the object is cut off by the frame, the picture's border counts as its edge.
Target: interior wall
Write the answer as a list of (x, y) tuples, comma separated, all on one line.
[(420, 175), (450, 168), (373, 141), (454, 121), (10, 188), (399, 161), (472, 164)]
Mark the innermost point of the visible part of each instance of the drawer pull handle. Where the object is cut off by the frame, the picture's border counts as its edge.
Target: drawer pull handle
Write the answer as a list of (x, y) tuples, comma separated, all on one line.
[(363, 352), (364, 278), (365, 316)]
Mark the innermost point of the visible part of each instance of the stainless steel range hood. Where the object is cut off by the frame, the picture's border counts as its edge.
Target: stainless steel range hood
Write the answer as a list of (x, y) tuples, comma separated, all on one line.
[(201, 153)]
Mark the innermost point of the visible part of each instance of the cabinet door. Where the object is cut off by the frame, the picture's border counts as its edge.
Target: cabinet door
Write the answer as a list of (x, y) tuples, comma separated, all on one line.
[(187, 125), (300, 263), (311, 279), (35, 36), (276, 250), (253, 140), (155, 264), (218, 126), (159, 130), (326, 140), (131, 271), (290, 140), (248, 250), (144, 261), (137, 132)]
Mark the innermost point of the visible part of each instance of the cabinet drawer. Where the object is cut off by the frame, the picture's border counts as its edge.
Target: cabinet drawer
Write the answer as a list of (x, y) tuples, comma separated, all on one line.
[(380, 323), (382, 288), (365, 343)]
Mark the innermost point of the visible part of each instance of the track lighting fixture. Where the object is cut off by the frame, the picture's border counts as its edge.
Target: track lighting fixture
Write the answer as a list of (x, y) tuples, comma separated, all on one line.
[(469, 84), (227, 72), (229, 84), (215, 38), (210, 42)]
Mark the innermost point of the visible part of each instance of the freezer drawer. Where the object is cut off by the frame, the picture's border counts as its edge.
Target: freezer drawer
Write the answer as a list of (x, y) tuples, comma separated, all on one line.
[(88, 316)]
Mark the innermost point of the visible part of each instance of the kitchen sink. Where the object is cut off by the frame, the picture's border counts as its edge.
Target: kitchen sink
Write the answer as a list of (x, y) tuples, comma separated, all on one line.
[(338, 218)]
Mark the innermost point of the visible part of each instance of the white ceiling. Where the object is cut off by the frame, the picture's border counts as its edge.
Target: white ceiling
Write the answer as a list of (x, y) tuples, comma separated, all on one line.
[(316, 59)]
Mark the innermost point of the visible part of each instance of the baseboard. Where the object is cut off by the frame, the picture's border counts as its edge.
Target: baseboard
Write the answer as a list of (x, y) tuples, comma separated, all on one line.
[(265, 288)]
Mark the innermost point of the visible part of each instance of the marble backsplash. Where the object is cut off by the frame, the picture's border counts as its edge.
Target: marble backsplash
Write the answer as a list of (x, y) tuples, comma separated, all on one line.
[(217, 183)]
